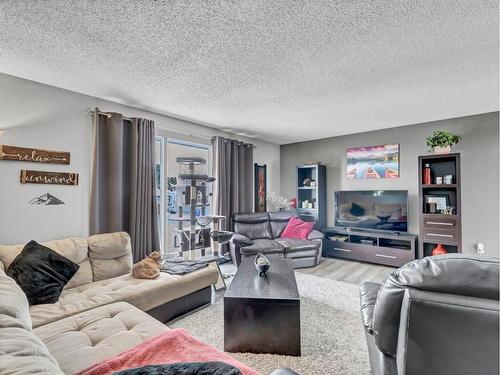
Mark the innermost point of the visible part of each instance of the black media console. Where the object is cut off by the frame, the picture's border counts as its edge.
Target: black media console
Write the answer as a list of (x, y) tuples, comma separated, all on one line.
[(389, 248)]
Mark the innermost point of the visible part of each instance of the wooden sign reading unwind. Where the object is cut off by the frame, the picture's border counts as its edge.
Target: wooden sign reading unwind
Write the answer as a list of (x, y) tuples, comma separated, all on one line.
[(38, 177), (33, 155)]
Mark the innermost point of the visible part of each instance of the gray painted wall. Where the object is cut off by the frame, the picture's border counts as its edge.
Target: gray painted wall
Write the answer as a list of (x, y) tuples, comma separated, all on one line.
[(41, 116), (480, 170)]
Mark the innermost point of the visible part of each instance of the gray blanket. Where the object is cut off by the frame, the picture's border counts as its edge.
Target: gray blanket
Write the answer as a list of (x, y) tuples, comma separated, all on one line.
[(179, 266)]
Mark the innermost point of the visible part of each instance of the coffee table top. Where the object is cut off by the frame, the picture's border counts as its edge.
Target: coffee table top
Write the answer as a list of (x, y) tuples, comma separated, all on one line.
[(279, 283)]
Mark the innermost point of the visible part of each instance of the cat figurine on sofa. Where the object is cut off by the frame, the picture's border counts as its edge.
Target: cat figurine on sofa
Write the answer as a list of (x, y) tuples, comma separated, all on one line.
[(148, 268)]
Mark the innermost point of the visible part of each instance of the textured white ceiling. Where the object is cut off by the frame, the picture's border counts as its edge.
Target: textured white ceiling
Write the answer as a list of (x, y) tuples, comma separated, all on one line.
[(285, 71)]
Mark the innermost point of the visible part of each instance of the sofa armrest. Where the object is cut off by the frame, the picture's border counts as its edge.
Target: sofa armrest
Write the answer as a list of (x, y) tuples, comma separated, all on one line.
[(368, 295), (315, 235), (242, 240)]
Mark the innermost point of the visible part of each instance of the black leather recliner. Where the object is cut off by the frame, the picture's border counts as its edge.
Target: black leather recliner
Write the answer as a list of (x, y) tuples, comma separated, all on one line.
[(437, 315), (260, 233)]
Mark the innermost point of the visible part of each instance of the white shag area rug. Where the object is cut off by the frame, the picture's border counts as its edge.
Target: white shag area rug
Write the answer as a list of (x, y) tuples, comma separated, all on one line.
[(333, 341)]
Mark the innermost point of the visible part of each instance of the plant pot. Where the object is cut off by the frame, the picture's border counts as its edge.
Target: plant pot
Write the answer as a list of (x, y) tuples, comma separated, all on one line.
[(442, 150)]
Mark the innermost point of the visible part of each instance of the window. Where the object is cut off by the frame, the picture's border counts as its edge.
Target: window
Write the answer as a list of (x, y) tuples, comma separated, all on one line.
[(167, 172), (159, 175)]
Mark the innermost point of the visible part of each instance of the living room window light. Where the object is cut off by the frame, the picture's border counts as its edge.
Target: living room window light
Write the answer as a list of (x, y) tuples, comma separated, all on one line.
[(166, 172)]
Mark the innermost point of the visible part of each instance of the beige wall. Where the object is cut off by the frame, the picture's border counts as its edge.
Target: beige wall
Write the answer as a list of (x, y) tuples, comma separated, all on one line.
[(41, 116), (480, 170)]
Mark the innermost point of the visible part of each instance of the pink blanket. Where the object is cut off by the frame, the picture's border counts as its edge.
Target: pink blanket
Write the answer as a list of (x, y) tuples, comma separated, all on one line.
[(176, 345)]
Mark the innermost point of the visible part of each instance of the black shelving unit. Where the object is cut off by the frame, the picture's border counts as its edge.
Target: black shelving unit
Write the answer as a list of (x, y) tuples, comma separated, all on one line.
[(313, 194), (437, 228)]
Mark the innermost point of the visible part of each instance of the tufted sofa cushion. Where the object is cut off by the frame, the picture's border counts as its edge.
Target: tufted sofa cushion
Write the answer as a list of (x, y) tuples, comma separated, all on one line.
[(75, 249), (21, 352), (144, 294), (110, 255), (14, 303), (81, 340)]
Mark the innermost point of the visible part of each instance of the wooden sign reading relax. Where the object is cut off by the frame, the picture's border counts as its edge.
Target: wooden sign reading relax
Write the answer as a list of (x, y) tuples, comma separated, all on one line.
[(38, 177), (33, 155)]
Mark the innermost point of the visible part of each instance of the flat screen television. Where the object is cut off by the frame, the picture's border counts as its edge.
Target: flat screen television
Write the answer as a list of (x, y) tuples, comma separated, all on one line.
[(372, 209)]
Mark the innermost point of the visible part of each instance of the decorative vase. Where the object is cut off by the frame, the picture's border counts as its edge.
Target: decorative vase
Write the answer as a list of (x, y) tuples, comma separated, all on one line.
[(442, 150), (439, 250), (262, 264), (427, 180)]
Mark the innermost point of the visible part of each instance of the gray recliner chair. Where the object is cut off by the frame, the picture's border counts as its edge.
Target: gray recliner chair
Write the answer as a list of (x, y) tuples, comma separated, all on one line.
[(260, 233), (437, 315)]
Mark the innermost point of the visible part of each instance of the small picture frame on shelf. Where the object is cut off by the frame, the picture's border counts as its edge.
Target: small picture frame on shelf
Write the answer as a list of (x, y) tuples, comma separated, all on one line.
[(441, 200), (431, 208), (448, 179)]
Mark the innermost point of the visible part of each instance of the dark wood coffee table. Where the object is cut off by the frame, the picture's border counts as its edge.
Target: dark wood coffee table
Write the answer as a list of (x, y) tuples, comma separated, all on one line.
[(262, 314)]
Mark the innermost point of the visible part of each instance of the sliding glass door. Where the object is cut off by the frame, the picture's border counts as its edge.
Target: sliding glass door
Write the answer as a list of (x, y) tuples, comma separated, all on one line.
[(167, 173)]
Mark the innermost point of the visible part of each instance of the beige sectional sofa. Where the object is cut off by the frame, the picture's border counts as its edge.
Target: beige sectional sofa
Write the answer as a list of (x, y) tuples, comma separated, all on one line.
[(102, 312)]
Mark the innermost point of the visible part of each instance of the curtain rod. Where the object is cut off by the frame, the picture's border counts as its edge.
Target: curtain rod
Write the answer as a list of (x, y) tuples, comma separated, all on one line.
[(108, 114), (229, 139)]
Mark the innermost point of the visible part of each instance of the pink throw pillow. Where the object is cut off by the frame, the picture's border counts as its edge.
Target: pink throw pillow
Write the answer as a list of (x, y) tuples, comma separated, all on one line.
[(297, 228)]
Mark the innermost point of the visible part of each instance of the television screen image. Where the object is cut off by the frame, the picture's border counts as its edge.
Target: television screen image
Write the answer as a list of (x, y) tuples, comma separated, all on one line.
[(372, 209)]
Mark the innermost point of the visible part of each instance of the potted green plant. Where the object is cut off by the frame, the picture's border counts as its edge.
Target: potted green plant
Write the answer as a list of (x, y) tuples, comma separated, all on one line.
[(441, 141)]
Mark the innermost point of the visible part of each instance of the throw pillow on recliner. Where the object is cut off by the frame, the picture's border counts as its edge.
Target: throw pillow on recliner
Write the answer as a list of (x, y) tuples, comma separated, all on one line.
[(41, 273), (297, 228)]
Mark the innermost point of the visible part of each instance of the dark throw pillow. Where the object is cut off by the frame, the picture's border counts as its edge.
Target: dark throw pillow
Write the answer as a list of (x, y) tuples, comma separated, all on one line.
[(41, 273), (357, 210)]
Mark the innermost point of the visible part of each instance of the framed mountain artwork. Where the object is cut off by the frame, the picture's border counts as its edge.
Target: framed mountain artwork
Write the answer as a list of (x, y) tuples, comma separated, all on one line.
[(46, 199), (373, 162)]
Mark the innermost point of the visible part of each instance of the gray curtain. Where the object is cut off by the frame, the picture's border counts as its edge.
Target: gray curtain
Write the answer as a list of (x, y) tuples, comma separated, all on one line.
[(123, 181), (233, 170)]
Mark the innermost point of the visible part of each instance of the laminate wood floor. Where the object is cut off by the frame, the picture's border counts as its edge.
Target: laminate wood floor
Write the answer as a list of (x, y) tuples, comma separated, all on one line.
[(349, 271)]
